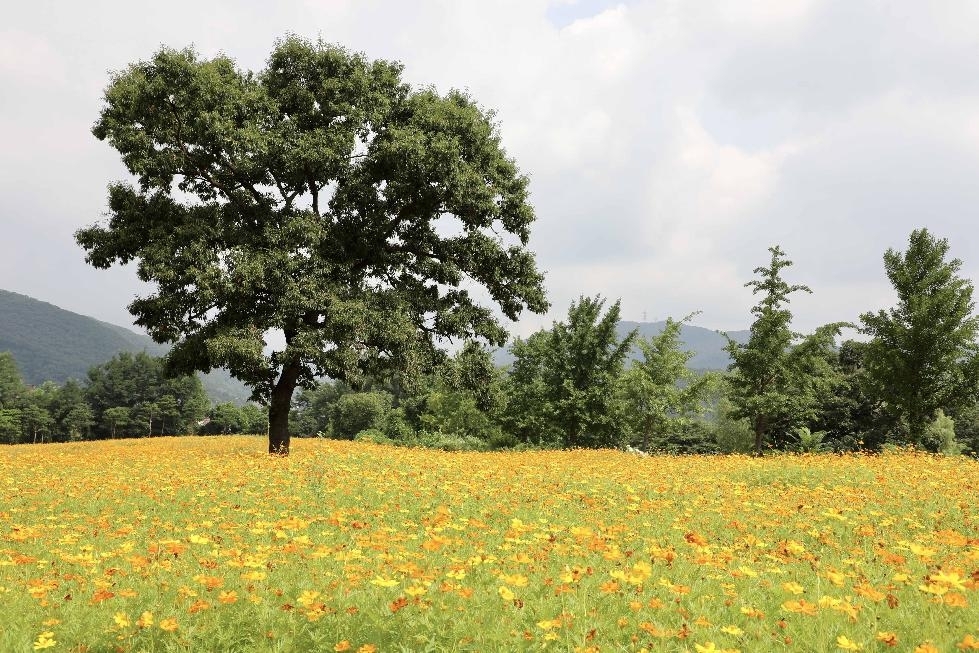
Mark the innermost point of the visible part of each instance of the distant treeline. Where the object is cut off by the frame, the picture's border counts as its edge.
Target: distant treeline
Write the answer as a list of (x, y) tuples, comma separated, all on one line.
[(913, 382), (128, 396)]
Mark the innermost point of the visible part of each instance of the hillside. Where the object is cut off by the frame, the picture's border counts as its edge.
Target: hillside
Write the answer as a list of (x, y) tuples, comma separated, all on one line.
[(707, 345), (52, 344)]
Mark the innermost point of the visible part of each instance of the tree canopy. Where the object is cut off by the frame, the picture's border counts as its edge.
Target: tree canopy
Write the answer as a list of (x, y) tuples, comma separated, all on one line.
[(563, 382), (775, 382), (923, 356), (321, 197)]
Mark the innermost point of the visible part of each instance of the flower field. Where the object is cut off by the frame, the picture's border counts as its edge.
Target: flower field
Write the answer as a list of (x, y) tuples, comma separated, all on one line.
[(208, 544)]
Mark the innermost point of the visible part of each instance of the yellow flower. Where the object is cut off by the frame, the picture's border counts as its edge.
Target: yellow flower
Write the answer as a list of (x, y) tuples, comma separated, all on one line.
[(44, 640), (732, 630), (307, 598), (168, 625), (121, 619), (228, 597), (145, 620), (848, 644), (506, 593), (383, 582), (516, 580)]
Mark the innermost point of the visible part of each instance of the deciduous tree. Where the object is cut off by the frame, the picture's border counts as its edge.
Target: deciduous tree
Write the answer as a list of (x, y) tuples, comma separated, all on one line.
[(661, 393), (321, 197), (923, 356), (564, 380)]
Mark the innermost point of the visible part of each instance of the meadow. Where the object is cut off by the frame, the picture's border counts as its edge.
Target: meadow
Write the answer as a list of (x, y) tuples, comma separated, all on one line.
[(208, 544)]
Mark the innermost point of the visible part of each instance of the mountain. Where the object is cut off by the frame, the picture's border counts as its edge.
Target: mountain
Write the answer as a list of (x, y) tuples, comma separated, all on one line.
[(52, 344), (707, 345)]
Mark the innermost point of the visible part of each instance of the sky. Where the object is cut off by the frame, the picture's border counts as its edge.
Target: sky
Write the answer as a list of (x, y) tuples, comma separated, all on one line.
[(669, 143)]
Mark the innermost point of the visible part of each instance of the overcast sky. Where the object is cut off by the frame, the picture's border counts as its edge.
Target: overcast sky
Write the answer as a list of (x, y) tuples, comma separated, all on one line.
[(669, 142)]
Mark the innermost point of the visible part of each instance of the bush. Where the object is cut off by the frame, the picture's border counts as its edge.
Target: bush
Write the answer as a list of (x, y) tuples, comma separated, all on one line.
[(733, 435), (810, 442), (940, 436), (456, 414), (373, 435), (360, 411), (447, 442), (396, 426)]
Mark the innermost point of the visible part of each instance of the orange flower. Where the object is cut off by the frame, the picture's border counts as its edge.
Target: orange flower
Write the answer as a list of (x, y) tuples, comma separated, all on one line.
[(887, 638), (169, 624)]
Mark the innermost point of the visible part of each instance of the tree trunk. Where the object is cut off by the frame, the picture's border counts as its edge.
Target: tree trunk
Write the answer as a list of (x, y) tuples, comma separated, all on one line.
[(759, 433), (279, 405)]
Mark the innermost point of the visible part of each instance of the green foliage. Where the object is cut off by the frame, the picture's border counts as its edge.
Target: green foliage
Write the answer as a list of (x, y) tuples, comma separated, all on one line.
[(36, 422), (321, 196), (774, 384), (563, 382), (11, 384), (939, 435), (688, 437), (313, 409), (810, 441), (732, 435), (117, 420), (358, 412), (923, 355), (157, 404), (10, 425), (455, 413), (446, 442), (373, 435), (660, 393), (231, 418), (472, 371)]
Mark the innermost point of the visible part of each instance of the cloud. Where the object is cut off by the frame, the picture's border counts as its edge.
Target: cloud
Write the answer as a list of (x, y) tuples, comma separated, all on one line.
[(668, 143)]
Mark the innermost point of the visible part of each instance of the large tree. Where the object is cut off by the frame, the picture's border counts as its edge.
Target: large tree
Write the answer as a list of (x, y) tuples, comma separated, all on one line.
[(776, 380), (562, 385), (923, 355), (322, 198)]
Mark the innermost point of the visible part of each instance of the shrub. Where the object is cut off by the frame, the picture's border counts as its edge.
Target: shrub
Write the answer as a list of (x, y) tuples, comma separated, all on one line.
[(940, 436), (358, 412), (373, 435)]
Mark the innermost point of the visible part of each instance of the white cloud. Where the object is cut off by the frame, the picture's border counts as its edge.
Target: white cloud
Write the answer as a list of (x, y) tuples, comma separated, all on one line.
[(668, 143)]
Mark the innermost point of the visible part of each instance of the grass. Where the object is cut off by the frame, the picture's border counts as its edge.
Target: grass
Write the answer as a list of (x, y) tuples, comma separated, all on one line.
[(193, 544)]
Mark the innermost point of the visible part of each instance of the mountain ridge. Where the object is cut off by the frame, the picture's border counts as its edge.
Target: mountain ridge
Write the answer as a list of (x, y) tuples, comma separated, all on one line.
[(50, 343), (706, 344)]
